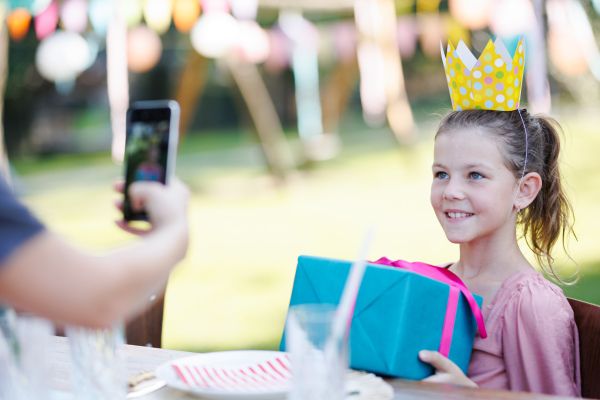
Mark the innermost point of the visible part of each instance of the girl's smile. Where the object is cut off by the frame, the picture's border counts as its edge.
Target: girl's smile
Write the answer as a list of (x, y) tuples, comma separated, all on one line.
[(457, 215)]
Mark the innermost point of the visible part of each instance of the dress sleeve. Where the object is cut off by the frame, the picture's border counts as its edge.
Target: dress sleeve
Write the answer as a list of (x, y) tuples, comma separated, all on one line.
[(540, 341), (17, 224)]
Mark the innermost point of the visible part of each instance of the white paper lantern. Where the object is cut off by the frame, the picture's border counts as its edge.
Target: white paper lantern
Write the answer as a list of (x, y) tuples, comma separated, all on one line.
[(62, 56), (73, 14), (511, 17), (214, 34)]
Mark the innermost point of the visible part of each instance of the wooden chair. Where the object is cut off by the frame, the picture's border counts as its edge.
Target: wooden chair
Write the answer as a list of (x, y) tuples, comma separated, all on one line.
[(146, 329), (587, 318)]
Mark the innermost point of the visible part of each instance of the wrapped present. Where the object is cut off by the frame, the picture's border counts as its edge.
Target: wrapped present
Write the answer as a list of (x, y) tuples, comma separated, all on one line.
[(401, 309)]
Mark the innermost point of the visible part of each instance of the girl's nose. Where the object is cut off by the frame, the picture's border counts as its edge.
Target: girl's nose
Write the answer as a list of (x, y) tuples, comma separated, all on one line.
[(453, 190)]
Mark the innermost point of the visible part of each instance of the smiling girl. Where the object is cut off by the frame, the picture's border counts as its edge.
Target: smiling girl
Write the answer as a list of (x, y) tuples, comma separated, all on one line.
[(481, 190), (494, 170)]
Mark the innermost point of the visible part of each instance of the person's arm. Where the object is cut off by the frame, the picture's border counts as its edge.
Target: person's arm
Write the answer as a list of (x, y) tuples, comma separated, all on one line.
[(49, 277)]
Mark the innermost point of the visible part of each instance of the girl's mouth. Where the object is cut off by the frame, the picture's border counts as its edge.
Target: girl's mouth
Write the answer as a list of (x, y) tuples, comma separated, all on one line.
[(453, 215)]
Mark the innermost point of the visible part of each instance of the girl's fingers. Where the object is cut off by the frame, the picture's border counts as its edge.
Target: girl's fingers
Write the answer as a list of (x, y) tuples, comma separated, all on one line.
[(119, 204), (439, 362), (446, 370)]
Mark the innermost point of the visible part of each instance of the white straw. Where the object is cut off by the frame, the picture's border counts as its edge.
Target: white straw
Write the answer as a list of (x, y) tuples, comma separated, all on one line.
[(345, 310)]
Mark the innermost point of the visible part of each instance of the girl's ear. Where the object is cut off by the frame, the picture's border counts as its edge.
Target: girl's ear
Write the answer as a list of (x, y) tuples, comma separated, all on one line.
[(530, 187)]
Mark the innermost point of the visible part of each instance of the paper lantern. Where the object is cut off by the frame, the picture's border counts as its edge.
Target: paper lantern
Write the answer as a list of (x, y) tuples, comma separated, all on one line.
[(214, 34), (185, 14), (209, 6), (511, 17), (130, 12), (46, 21), (18, 23), (73, 15), (244, 9), (472, 14), (144, 49), (157, 14), (62, 56), (100, 12), (253, 42)]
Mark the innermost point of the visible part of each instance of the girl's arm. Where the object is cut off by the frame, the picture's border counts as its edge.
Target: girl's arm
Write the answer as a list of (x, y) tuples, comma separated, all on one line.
[(50, 278), (540, 342)]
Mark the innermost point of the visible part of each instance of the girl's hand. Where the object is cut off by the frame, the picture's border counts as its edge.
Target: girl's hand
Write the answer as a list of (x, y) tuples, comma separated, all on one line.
[(446, 370)]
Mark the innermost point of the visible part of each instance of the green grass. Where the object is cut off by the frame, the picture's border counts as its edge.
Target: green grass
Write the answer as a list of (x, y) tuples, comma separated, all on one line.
[(233, 288)]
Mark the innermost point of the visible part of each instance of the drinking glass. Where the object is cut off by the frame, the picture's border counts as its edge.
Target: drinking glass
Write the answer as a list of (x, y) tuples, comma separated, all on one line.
[(98, 365), (318, 361), (24, 367)]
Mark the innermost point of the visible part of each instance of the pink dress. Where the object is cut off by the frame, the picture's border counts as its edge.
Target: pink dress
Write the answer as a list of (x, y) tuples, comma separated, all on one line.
[(532, 342)]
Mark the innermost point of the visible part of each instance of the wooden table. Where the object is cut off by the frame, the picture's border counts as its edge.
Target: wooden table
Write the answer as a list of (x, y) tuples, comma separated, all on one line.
[(146, 358)]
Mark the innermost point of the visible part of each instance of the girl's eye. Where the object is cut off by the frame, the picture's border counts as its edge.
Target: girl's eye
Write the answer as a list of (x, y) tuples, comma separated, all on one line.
[(441, 175), (475, 175)]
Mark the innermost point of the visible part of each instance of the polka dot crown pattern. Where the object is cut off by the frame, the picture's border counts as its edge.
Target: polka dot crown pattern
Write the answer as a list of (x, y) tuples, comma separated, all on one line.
[(493, 82)]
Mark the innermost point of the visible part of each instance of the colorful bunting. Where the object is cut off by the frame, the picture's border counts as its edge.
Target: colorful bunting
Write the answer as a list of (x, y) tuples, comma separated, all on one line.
[(100, 13), (18, 23), (158, 15), (46, 21), (185, 14), (73, 15), (130, 12), (209, 6)]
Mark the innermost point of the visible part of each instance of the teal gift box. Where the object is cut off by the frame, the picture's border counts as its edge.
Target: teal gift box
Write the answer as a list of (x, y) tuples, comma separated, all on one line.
[(398, 313)]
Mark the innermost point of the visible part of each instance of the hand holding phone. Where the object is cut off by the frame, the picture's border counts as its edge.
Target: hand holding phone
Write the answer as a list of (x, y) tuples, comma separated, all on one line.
[(151, 147)]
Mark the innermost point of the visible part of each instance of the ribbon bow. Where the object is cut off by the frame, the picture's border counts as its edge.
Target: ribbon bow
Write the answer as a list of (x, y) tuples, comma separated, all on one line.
[(456, 287)]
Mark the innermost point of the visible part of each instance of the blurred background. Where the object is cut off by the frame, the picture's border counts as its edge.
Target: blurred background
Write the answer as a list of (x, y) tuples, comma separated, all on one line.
[(303, 122)]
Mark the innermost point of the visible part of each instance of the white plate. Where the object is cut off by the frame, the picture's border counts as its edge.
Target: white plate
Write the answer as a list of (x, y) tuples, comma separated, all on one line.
[(223, 359)]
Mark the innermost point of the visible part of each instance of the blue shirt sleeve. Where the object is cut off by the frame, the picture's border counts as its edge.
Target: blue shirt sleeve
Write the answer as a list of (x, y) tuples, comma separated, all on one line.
[(17, 224)]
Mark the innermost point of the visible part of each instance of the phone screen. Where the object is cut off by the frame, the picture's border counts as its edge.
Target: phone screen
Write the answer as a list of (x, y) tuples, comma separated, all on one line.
[(146, 151)]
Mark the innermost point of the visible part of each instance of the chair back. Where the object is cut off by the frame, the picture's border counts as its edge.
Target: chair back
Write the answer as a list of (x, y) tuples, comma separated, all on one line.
[(146, 329), (587, 318)]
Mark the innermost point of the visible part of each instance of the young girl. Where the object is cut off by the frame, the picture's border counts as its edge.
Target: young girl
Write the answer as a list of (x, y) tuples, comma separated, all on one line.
[(493, 170)]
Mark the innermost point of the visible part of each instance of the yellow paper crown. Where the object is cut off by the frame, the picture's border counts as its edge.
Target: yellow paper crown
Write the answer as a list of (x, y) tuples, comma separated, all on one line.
[(491, 83)]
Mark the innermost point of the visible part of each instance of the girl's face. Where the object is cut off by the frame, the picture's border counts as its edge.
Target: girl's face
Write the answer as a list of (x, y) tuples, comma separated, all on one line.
[(472, 191)]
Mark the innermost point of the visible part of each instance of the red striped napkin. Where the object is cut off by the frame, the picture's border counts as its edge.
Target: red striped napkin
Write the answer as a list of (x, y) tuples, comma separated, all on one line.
[(266, 376)]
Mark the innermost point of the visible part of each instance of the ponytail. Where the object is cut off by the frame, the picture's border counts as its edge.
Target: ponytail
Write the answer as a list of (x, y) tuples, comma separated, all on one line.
[(549, 216)]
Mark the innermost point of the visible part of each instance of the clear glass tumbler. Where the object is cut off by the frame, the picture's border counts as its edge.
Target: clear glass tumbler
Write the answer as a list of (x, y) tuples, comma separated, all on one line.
[(318, 362), (24, 366), (98, 364)]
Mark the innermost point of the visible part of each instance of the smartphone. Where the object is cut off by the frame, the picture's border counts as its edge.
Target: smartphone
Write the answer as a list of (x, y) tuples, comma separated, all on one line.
[(151, 146)]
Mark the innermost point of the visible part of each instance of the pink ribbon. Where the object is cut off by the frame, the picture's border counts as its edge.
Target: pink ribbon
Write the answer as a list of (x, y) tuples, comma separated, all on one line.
[(456, 287)]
